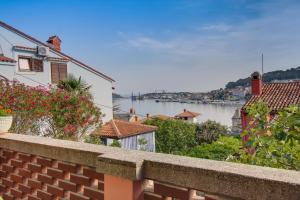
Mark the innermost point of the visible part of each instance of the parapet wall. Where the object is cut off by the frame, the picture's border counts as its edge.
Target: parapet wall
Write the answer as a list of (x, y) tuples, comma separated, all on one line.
[(42, 168)]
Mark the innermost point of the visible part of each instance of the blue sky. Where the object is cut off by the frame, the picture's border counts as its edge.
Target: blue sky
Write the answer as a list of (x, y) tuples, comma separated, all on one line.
[(176, 45)]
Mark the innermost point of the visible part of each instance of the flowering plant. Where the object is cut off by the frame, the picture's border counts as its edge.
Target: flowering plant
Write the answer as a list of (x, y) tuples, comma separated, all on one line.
[(49, 111), (4, 112)]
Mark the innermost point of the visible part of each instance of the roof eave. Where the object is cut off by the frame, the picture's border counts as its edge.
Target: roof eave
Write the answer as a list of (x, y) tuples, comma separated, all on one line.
[(22, 34)]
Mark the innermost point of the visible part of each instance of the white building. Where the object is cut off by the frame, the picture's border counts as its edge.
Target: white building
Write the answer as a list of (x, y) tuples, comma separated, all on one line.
[(33, 62), (131, 135), (188, 116)]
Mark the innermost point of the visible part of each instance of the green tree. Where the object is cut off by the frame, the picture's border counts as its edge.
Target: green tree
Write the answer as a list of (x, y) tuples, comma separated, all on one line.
[(209, 131), (115, 143), (93, 139), (272, 143), (221, 149), (172, 136)]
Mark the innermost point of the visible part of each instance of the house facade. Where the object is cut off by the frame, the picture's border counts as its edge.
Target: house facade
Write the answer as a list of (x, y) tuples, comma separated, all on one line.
[(187, 116), (131, 135), (32, 62), (276, 95)]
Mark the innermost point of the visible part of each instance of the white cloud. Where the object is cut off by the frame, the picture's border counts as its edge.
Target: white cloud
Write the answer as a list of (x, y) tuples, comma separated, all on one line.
[(228, 52), (217, 27)]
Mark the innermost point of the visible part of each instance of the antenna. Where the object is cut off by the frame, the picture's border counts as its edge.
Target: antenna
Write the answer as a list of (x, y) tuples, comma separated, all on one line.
[(262, 66)]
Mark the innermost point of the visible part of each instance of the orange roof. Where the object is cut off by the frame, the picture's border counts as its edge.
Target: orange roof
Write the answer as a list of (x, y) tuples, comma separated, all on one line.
[(6, 59), (187, 113), (277, 95), (120, 129)]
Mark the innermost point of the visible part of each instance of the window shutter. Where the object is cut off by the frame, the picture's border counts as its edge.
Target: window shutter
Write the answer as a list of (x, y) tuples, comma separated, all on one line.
[(54, 73), (63, 73), (38, 65)]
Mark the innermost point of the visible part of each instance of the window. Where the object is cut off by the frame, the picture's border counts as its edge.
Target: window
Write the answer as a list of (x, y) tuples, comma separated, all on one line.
[(29, 64), (24, 64), (58, 72)]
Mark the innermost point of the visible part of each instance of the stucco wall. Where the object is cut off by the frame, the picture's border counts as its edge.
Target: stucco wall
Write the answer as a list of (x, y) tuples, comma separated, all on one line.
[(132, 143), (101, 87)]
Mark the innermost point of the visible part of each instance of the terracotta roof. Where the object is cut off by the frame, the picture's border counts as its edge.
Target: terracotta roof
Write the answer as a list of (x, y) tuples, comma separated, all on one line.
[(159, 116), (187, 113), (58, 52), (121, 129), (6, 59), (277, 95)]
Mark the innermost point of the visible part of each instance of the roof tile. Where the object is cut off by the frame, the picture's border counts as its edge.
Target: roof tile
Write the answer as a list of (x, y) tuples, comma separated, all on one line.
[(6, 59), (277, 95), (120, 129)]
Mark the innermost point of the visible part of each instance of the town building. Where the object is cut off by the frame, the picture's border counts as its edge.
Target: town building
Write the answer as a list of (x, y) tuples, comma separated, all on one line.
[(188, 116), (130, 135), (32, 62), (276, 95), (236, 122)]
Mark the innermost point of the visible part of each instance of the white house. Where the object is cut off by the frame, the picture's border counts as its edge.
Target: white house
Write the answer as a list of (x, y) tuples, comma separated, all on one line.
[(188, 116), (33, 62), (131, 135)]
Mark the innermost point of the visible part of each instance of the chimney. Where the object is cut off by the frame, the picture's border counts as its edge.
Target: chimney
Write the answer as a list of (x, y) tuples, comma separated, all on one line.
[(184, 110), (256, 83), (54, 42), (148, 115)]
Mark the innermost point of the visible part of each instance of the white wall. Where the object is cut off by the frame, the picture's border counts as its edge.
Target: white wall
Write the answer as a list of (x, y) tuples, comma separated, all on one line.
[(132, 142), (101, 87)]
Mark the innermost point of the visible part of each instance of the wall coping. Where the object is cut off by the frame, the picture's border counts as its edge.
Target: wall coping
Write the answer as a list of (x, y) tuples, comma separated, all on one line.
[(225, 179)]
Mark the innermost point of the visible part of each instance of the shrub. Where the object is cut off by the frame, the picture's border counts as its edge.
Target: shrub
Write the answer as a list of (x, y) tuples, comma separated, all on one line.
[(115, 143), (173, 136), (209, 131), (5, 111), (221, 149), (50, 112)]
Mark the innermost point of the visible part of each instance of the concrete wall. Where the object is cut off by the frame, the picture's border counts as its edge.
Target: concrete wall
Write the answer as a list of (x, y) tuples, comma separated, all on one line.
[(51, 169), (101, 87)]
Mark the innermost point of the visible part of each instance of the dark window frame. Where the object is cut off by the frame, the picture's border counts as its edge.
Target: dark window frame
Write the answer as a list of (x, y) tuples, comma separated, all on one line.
[(32, 68)]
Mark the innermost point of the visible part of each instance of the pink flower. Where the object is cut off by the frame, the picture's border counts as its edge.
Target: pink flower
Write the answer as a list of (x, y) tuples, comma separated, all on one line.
[(67, 97)]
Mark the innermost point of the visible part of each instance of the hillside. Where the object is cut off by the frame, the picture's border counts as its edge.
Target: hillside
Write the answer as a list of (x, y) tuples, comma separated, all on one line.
[(289, 74)]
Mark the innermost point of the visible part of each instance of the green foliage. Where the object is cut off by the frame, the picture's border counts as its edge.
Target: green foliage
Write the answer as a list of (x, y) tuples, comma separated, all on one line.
[(142, 143), (93, 139), (209, 131), (272, 143), (115, 143), (72, 84), (220, 149), (173, 136), (5, 111)]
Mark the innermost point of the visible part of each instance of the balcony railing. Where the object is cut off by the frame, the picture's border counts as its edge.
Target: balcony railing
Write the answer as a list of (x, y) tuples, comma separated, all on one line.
[(42, 168)]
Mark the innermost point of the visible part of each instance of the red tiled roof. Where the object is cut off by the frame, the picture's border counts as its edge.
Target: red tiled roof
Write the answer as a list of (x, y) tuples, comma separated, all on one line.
[(187, 113), (277, 95), (121, 129), (58, 52), (6, 59)]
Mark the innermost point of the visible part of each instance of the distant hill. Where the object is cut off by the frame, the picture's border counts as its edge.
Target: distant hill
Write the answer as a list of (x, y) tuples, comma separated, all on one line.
[(289, 74), (117, 96)]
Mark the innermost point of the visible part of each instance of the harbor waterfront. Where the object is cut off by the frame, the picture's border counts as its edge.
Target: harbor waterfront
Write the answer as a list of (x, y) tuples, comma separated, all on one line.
[(221, 113)]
